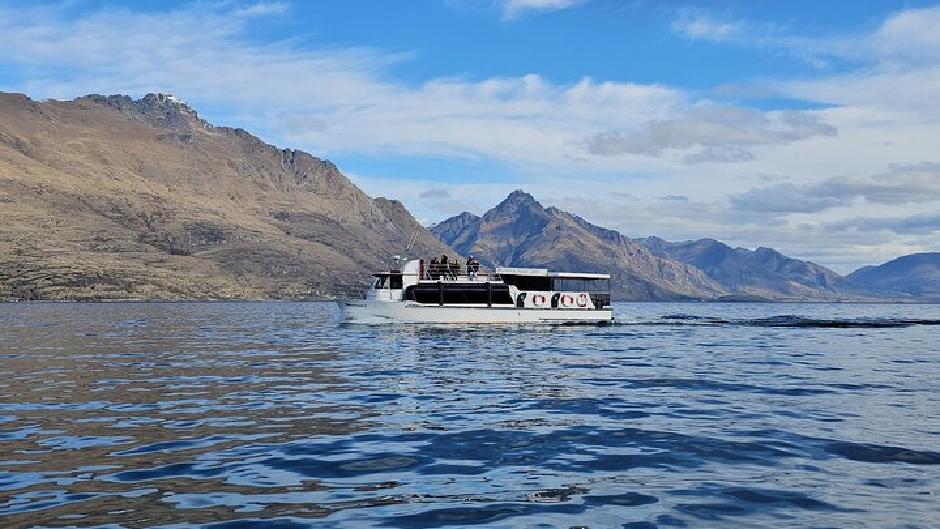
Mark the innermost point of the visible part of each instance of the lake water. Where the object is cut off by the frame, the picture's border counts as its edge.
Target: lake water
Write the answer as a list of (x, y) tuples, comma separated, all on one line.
[(272, 415)]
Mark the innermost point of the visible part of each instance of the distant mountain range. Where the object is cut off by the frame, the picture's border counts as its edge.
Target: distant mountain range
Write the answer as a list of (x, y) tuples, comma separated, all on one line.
[(916, 275), (521, 232), (107, 197), (761, 273)]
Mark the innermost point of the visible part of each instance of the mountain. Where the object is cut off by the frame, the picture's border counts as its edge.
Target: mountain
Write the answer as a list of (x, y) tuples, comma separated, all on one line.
[(761, 273), (915, 275), (108, 197), (521, 232)]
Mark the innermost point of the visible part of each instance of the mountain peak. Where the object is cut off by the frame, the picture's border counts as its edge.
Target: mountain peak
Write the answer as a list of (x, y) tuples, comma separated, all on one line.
[(521, 197), (517, 200), (517, 205), (166, 100), (161, 110)]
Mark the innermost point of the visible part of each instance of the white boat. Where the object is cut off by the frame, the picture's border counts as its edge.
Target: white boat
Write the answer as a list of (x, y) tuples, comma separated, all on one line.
[(414, 293)]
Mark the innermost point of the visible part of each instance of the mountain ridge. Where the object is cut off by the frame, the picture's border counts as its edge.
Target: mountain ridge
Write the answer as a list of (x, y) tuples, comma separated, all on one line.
[(108, 197), (519, 230), (915, 275), (763, 272)]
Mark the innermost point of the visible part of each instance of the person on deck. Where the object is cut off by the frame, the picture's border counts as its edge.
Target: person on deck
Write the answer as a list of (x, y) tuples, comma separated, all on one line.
[(433, 269), (444, 265), (473, 266)]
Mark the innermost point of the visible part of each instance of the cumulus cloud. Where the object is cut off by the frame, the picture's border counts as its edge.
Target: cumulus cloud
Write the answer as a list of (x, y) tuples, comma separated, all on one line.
[(920, 224), (786, 198), (902, 184), (908, 37), (722, 132)]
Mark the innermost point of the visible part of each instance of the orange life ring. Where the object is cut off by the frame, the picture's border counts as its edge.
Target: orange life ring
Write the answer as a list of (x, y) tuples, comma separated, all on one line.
[(567, 300), (582, 300), (538, 300)]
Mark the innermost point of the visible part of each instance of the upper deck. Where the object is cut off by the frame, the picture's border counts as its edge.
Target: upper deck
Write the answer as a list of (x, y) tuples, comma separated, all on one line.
[(545, 272)]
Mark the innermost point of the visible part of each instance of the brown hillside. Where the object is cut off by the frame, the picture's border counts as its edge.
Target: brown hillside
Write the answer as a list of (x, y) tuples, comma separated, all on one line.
[(109, 197)]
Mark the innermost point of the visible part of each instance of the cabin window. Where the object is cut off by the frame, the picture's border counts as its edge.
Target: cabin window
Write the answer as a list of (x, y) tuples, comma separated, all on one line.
[(537, 283), (466, 294), (379, 282), (394, 282), (574, 285)]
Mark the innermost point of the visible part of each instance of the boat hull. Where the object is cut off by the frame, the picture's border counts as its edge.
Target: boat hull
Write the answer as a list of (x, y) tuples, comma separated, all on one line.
[(371, 312)]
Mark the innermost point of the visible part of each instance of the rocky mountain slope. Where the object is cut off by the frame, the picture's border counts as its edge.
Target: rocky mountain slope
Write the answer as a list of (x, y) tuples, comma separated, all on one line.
[(761, 273), (521, 232), (915, 275), (107, 197)]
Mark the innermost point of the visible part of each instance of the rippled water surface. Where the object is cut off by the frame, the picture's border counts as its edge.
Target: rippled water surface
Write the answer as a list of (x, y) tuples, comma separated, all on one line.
[(271, 415)]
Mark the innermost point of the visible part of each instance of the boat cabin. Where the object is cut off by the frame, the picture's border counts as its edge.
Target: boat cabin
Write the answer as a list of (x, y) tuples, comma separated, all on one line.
[(528, 288)]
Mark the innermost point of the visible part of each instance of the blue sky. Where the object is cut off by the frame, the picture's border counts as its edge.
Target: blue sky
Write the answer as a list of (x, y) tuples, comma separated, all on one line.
[(811, 127)]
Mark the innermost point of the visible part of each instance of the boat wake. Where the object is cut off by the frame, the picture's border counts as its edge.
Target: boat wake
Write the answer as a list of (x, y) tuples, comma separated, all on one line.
[(787, 321)]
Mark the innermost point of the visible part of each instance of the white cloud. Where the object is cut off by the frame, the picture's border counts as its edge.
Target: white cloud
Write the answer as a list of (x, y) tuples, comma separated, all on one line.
[(262, 9), (923, 223), (512, 9), (722, 131), (906, 38), (697, 25), (909, 37), (902, 184)]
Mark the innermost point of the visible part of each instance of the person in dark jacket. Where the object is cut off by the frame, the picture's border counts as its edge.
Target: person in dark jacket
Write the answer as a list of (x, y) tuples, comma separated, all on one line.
[(473, 266), (434, 269), (445, 266)]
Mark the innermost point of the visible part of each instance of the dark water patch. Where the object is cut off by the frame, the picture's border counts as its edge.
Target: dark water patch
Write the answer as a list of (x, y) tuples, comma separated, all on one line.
[(695, 319), (870, 453), (801, 322), (175, 470), (488, 514), (593, 407), (720, 387), (639, 525), (792, 321), (312, 467), (628, 499), (745, 501), (263, 524)]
